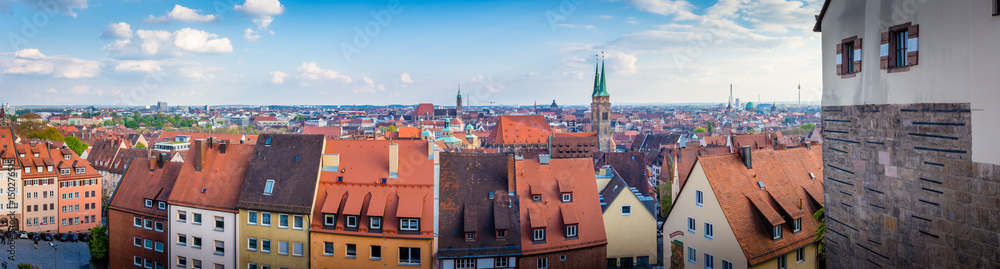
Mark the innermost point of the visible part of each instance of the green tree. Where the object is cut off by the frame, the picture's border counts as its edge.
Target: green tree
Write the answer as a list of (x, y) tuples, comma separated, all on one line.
[(140, 145), (808, 127), (76, 145), (665, 191), (50, 133), (98, 245), (711, 127), (299, 118), (700, 130), (821, 232)]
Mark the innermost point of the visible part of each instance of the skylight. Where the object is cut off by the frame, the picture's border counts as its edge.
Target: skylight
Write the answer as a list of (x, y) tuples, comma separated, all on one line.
[(760, 184), (268, 187)]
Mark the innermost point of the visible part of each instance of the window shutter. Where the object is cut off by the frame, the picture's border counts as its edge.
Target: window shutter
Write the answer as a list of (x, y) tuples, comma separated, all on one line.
[(884, 51), (840, 58), (911, 44), (857, 55)]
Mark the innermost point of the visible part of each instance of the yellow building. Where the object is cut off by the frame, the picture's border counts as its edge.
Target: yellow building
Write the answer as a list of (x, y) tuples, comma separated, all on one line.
[(629, 222), (369, 252), (275, 207)]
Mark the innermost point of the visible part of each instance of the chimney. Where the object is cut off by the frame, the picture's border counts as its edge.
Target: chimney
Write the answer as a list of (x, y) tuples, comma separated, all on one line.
[(199, 154), (222, 148), (211, 142), (747, 158), (430, 149), (163, 159), (152, 163), (393, 159), (510, 175)]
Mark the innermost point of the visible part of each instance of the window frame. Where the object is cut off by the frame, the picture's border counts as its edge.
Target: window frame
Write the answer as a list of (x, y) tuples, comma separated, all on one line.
[(412, 224), (265, 216), (542, 263), (350, 251), (699, 198), (252, 218), (709, 230), (283, 221), (298, 222), (629, 209), (182, 240), (800, 255), (796, 225), (265, 245), (410, 260), (329, 219), (328, 246), (692, 255), (372, 250), (348, 221), (782, 262), (776, 232), (268, 187), (538, 235), (567, 197), (692, 225), (375, 223), (572, 231), (252, 244)]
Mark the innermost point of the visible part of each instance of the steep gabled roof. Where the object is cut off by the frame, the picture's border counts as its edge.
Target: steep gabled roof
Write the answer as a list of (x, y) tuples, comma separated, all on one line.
[(467, 182), (520, 130), (293, 162), (140, 183), (531, 175), (217, 186)]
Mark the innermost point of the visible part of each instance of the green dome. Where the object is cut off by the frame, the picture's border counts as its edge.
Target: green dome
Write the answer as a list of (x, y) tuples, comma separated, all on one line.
[(749, 105), (469, 127), (426, 133)]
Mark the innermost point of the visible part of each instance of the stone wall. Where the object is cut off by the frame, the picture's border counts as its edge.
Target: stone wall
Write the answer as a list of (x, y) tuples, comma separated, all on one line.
[(902, 191)]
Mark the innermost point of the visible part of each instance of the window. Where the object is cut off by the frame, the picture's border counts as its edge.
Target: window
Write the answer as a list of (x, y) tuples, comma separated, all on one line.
[(181, 216), (265, 246), (148, 244), (149, 224), (327, 248), (626, 210), (252, 217), (182, 239), (376, 252), (182, 261), (692, 255), (796, 225), (159, 205), (571, 230), (352, 250), (136, 260), (283, 221), (691, 227), (297, 222), (352, 221), (727, 265), (699, 198), (538, 235), (501, 234), (470, 236), (375, 223), (252, 244), (268, 187), (777, 231), (567, 197), (282, 247), (996, 7), (196, 263), (409, 256), (137, 241), (158, 246), (297, 249), (536, 198), (899, 38), (709, 261), (465, 263), (329, 219), (63, 172), (220, 223), (800, 255), (409, 224), (708, 230), (197, 219), (158, 226), (196, 242), (137, 221), (542, 263), (500, 262), (252, 266), (782, 262)]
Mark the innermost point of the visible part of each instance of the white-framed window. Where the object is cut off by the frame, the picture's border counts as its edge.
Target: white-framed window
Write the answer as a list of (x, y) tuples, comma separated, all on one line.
[(283, 221), (409, 224), (699, 198), (800, 255), (252, 217), (376, 252), (352, 221), (161, 205), (536, 198), (351, 250), (149, 203), (538, 235), (220, 223), (626, 210), (268, 187), (252, 243), (776, 230), (297, 222), (542, 263), (182, 261), (64, 172), (158, 246), (709, 261), (297, 249), (220, 248), (251, 266), (265, 219), (196, 242), (136, 260), (692, 255), (409, 256), (465, 263), (158, 226), (148, 226), (796, 225), (782, 262), (265, 246), (500, 262), (329, 219), (727, 265), (571, 230), (196, 263), (709, 233), (80, 170), (327, 248), (137, 221), (375, 223), (137, 241), (182, 239), (501, 234), (282, 247), (567, 197), (691, 225), (148, 244), (197, 218), (181, 216)]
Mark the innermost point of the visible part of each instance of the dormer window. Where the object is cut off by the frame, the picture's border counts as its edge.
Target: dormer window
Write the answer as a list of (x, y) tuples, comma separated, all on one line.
[(776, 231), (375, 223), (36, 155), (571, 231), (81, 170), (64, 171), (66, 157), (536, 198), (40, 169), (352, 221), (567, 197), (329, 219), (796, 225), (149, 203), (409, 224), (538, 235), (27, 170), (161, 205), (501, 234), (22, 155), (268, 187), (50, 168)]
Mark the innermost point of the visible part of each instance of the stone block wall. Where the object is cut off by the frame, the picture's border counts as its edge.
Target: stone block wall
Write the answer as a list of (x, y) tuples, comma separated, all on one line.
[(902, 191)]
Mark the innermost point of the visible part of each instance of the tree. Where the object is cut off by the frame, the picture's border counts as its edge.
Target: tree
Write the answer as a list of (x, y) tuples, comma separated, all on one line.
[(665, 190), (140, 145), (50, 133), (700, 130), (76, 145), (821, 232), (711, 127), (808, 127), (98, 245)]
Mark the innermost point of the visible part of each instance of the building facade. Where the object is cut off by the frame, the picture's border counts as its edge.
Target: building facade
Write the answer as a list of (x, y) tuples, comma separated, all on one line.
[(138, 226), (40, 189), (600, 112), (10, 167), (629, 222), (909, 129), (79, 192)]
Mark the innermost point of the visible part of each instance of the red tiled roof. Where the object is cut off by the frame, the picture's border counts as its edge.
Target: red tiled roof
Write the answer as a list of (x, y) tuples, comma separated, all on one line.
[(409, 132), (520, 130), (329, 131), (30, 160), (140, 183), (585, 204), (424, 110), (221, 177)]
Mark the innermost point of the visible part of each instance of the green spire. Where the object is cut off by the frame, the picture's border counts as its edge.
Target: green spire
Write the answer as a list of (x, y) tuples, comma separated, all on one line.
[(597, 79), (459, 90), (602, 90)]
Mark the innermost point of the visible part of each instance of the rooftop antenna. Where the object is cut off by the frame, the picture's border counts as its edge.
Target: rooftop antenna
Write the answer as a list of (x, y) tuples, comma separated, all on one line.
[(800, 93)]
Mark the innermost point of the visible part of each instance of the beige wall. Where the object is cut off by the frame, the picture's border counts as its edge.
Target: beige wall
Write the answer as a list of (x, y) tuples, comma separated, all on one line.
[(630, 235), (723, 244), (809, 262), (276, 235), (957, 60)]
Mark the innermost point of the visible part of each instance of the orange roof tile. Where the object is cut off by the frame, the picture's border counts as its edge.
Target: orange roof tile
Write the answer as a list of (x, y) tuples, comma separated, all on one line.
[(221, 178), (410, 203), (580, 173), (568, 212), (333, 198), (520, 130), (376, 207), (355, 199)]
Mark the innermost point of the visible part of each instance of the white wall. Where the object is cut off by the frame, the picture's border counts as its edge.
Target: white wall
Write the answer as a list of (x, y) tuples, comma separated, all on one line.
[(958, 62), (208, 234), (723, 244)]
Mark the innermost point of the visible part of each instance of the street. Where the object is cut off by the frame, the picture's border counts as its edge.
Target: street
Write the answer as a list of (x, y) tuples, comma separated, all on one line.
[(70, 254)]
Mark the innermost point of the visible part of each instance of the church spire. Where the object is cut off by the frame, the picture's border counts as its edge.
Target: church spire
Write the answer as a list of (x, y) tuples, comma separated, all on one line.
[(602, 87), (597, 76)]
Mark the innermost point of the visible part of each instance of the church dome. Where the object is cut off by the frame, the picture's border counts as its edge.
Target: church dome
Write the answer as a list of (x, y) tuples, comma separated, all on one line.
[(749, 105)]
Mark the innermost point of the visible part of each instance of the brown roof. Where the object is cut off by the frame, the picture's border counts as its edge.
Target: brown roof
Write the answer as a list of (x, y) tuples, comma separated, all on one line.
[(550, 214), (59, 156), (140, 183), (467, 181), (632, 168), (7, 147), (293, 162), (217, 186), (785, 176), (30, 160), (520, 130), (329, 131)]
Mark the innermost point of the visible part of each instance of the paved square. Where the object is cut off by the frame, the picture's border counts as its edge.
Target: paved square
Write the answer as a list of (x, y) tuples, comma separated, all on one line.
[(70, 254)]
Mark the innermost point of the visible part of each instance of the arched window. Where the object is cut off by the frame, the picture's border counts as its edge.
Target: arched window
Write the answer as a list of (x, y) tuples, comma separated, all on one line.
[(604, 115)]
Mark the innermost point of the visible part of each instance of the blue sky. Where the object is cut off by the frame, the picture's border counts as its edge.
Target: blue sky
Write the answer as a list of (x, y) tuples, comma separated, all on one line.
[(138, 52)]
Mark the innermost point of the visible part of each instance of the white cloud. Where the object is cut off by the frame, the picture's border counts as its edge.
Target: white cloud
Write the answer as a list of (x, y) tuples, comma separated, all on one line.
[(182, 14), (51, 90), (621, 62), (66, 7), (278, 77), (138, 66), (310, 71), (183, 42), (261, 11), (34, 62), (199, 72), (405, 78), (119, 30), (250, 35), (680, 9), (575, 26), (605, 16)]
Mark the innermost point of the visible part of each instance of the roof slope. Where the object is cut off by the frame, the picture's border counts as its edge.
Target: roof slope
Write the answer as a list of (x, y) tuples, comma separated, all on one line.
[(785, 175), (218, 184), (585, 208), (632, 168), (140, 183), (467, 182), (8, 150), (520, 130), (293, 162), (43, 160), (330, 132), (616, 186)]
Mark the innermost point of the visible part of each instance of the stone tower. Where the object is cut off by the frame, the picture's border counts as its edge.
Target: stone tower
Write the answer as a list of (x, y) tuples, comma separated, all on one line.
[(600, 109), (458, 103)]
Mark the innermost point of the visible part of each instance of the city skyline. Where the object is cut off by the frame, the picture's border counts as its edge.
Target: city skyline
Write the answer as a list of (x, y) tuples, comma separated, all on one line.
[(513, 53)]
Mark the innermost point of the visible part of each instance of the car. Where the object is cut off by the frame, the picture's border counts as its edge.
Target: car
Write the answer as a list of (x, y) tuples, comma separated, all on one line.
[(47, 237), (74, 237), (62, 237), (35, 236), (23, 235), (83, 237), (11, 234)]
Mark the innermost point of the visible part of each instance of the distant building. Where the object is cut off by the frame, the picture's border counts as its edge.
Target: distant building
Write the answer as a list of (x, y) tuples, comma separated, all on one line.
[(79, 192), (40, 189), (600, 109), (138, 224), (162, 107)]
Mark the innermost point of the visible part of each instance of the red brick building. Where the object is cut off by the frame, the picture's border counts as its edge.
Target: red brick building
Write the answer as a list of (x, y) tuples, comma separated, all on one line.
[(137, 217)]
